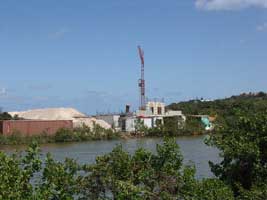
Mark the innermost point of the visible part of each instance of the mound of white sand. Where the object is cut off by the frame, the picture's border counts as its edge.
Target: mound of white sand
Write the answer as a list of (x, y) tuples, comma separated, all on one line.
[(78, 122), (77, 117), (50, 114)]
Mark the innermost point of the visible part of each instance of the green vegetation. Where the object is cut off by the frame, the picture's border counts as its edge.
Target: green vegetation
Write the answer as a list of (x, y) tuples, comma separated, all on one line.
[(194, 126), (149, 176), (171, 127), (243, 143), (17, 138), (241, 175), (7, 116), (222, 110), (84, 133), (117, 175)]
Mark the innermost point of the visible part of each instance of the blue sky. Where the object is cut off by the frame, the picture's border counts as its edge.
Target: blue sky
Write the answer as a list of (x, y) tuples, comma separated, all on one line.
[(83, 53)]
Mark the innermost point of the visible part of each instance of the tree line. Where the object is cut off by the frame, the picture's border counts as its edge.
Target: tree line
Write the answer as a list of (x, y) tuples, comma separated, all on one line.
[(222, 109), (7, 116)]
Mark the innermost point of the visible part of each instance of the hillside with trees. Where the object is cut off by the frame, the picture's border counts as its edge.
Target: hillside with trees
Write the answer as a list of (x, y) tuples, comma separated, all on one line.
[(222, 106), (223, 109)]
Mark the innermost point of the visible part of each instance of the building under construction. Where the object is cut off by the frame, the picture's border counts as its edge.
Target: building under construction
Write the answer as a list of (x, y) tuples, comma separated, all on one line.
[(151, 113)]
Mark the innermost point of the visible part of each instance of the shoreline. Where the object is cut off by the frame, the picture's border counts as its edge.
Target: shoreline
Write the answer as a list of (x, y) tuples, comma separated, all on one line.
[(44, 139)]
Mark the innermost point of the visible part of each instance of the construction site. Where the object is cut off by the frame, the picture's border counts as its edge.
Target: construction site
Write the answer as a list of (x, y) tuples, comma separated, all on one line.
[(150, 113)]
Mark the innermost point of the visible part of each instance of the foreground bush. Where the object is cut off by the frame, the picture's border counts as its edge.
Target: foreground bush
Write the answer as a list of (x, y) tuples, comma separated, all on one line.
[(17, 172), (243, 145), (144, 175), (117, 175)]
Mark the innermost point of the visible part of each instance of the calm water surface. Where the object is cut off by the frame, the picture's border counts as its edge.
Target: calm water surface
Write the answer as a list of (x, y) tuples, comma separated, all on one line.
[(193, 149)]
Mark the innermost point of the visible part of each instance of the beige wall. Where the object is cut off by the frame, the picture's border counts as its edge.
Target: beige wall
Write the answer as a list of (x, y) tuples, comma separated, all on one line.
[(158, 108)]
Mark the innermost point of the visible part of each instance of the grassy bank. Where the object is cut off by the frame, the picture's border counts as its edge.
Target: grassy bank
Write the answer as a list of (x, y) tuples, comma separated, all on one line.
[(84, 133)]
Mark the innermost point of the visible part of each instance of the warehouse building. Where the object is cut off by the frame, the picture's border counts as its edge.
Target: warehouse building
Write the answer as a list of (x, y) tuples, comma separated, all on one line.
[(33, 127)]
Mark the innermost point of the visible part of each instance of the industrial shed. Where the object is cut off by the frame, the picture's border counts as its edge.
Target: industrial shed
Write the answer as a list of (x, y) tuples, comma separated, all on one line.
[(33, 127)]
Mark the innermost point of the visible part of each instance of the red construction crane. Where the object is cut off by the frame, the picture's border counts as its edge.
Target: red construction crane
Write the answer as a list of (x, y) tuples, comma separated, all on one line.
[(141, 82)]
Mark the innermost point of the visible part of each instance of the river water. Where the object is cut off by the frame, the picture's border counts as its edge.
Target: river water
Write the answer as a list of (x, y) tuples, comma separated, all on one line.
[(193, 149)]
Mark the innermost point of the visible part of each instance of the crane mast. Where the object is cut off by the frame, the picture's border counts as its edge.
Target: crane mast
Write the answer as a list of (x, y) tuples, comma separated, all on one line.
[(141, 82)]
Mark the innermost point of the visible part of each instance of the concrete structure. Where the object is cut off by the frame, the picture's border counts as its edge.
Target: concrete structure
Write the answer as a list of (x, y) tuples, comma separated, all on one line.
[(151, 117), (112, 120), (127, 123), (33, 127), (175, 113), (156, 108), (127, 120), (148, 122)]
